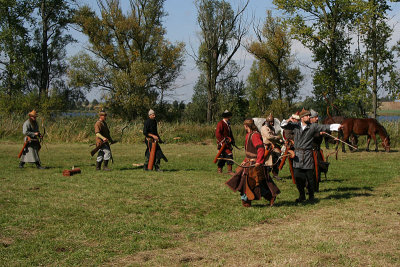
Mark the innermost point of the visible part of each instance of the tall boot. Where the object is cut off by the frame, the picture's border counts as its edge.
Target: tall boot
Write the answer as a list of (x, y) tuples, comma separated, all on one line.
[(230, 172), (98, 165), (105, 167), (219, 170), (39, 166)]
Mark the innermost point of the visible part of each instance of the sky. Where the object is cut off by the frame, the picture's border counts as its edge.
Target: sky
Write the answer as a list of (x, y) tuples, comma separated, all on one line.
[(181, 26)]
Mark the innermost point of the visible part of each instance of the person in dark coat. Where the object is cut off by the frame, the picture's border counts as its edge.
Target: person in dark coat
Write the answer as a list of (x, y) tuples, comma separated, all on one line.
[(303, 162), (224, 134), (251, 179), (151, 135), (319, 161)]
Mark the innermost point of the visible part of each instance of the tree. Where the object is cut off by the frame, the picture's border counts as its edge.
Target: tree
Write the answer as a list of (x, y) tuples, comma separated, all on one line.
[(222, 31), (378, 57), (322, 27), (273, 52), (231, 95), (49, 43), (132, 61), (15, 52)]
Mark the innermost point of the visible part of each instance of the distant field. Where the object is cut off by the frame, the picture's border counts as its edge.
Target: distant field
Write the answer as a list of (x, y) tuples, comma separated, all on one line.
[(389, 106), (186, 216)]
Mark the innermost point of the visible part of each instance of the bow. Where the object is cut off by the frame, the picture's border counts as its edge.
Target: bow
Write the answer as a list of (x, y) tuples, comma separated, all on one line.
[(41, 136)]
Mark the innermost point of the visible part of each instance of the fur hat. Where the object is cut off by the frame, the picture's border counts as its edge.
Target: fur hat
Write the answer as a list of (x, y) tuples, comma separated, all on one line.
[(151, 112), (304, 112), (226, 114), (33, 113), (313, 113)]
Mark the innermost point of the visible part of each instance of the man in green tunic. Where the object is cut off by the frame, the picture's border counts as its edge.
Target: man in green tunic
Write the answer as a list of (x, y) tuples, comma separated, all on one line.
[(32, 138)]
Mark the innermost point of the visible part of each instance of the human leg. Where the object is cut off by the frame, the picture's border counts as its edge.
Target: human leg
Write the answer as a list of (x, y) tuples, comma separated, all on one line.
[(300, 183)]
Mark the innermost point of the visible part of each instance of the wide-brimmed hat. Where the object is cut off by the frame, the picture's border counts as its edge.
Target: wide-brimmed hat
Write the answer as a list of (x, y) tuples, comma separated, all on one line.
[(313, 113), (226, 114), (304, 113), (33, 113)]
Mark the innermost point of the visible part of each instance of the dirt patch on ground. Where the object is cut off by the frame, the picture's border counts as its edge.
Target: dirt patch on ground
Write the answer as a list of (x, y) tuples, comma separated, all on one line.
[(362, 231)]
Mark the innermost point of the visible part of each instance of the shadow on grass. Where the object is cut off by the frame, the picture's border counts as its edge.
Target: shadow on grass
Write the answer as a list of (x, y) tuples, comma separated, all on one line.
[(327, 180), (293, 203), (347, 195), (345, 189)]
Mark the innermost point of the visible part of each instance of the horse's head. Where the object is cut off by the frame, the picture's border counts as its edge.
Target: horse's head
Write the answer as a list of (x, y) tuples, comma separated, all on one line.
[(386, 143)]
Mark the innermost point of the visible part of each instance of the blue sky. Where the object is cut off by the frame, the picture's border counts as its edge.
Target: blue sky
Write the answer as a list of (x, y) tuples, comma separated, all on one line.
[(181, 25)]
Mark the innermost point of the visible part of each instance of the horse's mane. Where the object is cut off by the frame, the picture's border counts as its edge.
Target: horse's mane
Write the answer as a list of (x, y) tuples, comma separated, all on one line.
[(382, 128)]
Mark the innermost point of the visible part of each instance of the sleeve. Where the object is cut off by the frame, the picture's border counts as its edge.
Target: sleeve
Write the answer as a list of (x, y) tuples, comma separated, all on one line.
[(219, 132), (334, 127), (26, 131), (257, 142), (264, 134), (99, 136), (288, 125), (320, 127), (145, 128), (97, 127)]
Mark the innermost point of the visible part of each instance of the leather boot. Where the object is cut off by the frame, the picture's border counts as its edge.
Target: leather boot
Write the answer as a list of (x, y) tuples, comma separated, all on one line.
[(219, 170), (246, 203), (98, 165), (105, 167), (230, 172), (39, 166)]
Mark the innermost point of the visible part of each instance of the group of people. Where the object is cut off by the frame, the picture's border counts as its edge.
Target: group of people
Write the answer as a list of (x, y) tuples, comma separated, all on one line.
[(253, 178), (30, 150)]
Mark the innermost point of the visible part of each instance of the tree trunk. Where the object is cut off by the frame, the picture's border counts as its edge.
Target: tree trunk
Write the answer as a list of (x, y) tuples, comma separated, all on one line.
[(44, 77), (374, 69)]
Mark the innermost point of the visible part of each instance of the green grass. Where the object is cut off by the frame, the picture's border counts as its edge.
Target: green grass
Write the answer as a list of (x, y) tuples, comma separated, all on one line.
[(100, 217)]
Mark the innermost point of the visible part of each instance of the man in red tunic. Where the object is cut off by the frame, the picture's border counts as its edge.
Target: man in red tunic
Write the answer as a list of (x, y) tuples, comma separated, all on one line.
[(224, 134), (251, 179)]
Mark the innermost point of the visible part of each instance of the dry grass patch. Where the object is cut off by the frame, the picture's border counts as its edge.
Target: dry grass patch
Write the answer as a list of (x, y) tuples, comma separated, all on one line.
[(364, 231)]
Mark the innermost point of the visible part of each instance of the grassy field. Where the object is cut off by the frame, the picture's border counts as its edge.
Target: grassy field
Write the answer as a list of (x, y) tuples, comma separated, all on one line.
[(186, 216)]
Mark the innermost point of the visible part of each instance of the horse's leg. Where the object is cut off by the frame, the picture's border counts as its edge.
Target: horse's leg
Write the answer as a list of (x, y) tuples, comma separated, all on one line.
[(344, 137), (368, 140), (376, 144)]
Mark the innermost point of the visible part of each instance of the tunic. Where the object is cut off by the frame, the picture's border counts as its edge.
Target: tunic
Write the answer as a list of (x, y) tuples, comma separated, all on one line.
[(270, 138), (303, 140), (101, 127), (224, 130), (150, 127), (246, 180), (31, 151)]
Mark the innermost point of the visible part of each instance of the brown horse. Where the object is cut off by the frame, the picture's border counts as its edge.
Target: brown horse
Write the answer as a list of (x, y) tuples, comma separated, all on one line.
[(369, 127)]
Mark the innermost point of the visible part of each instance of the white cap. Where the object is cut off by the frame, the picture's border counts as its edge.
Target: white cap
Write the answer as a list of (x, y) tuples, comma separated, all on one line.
[(151, 112)]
